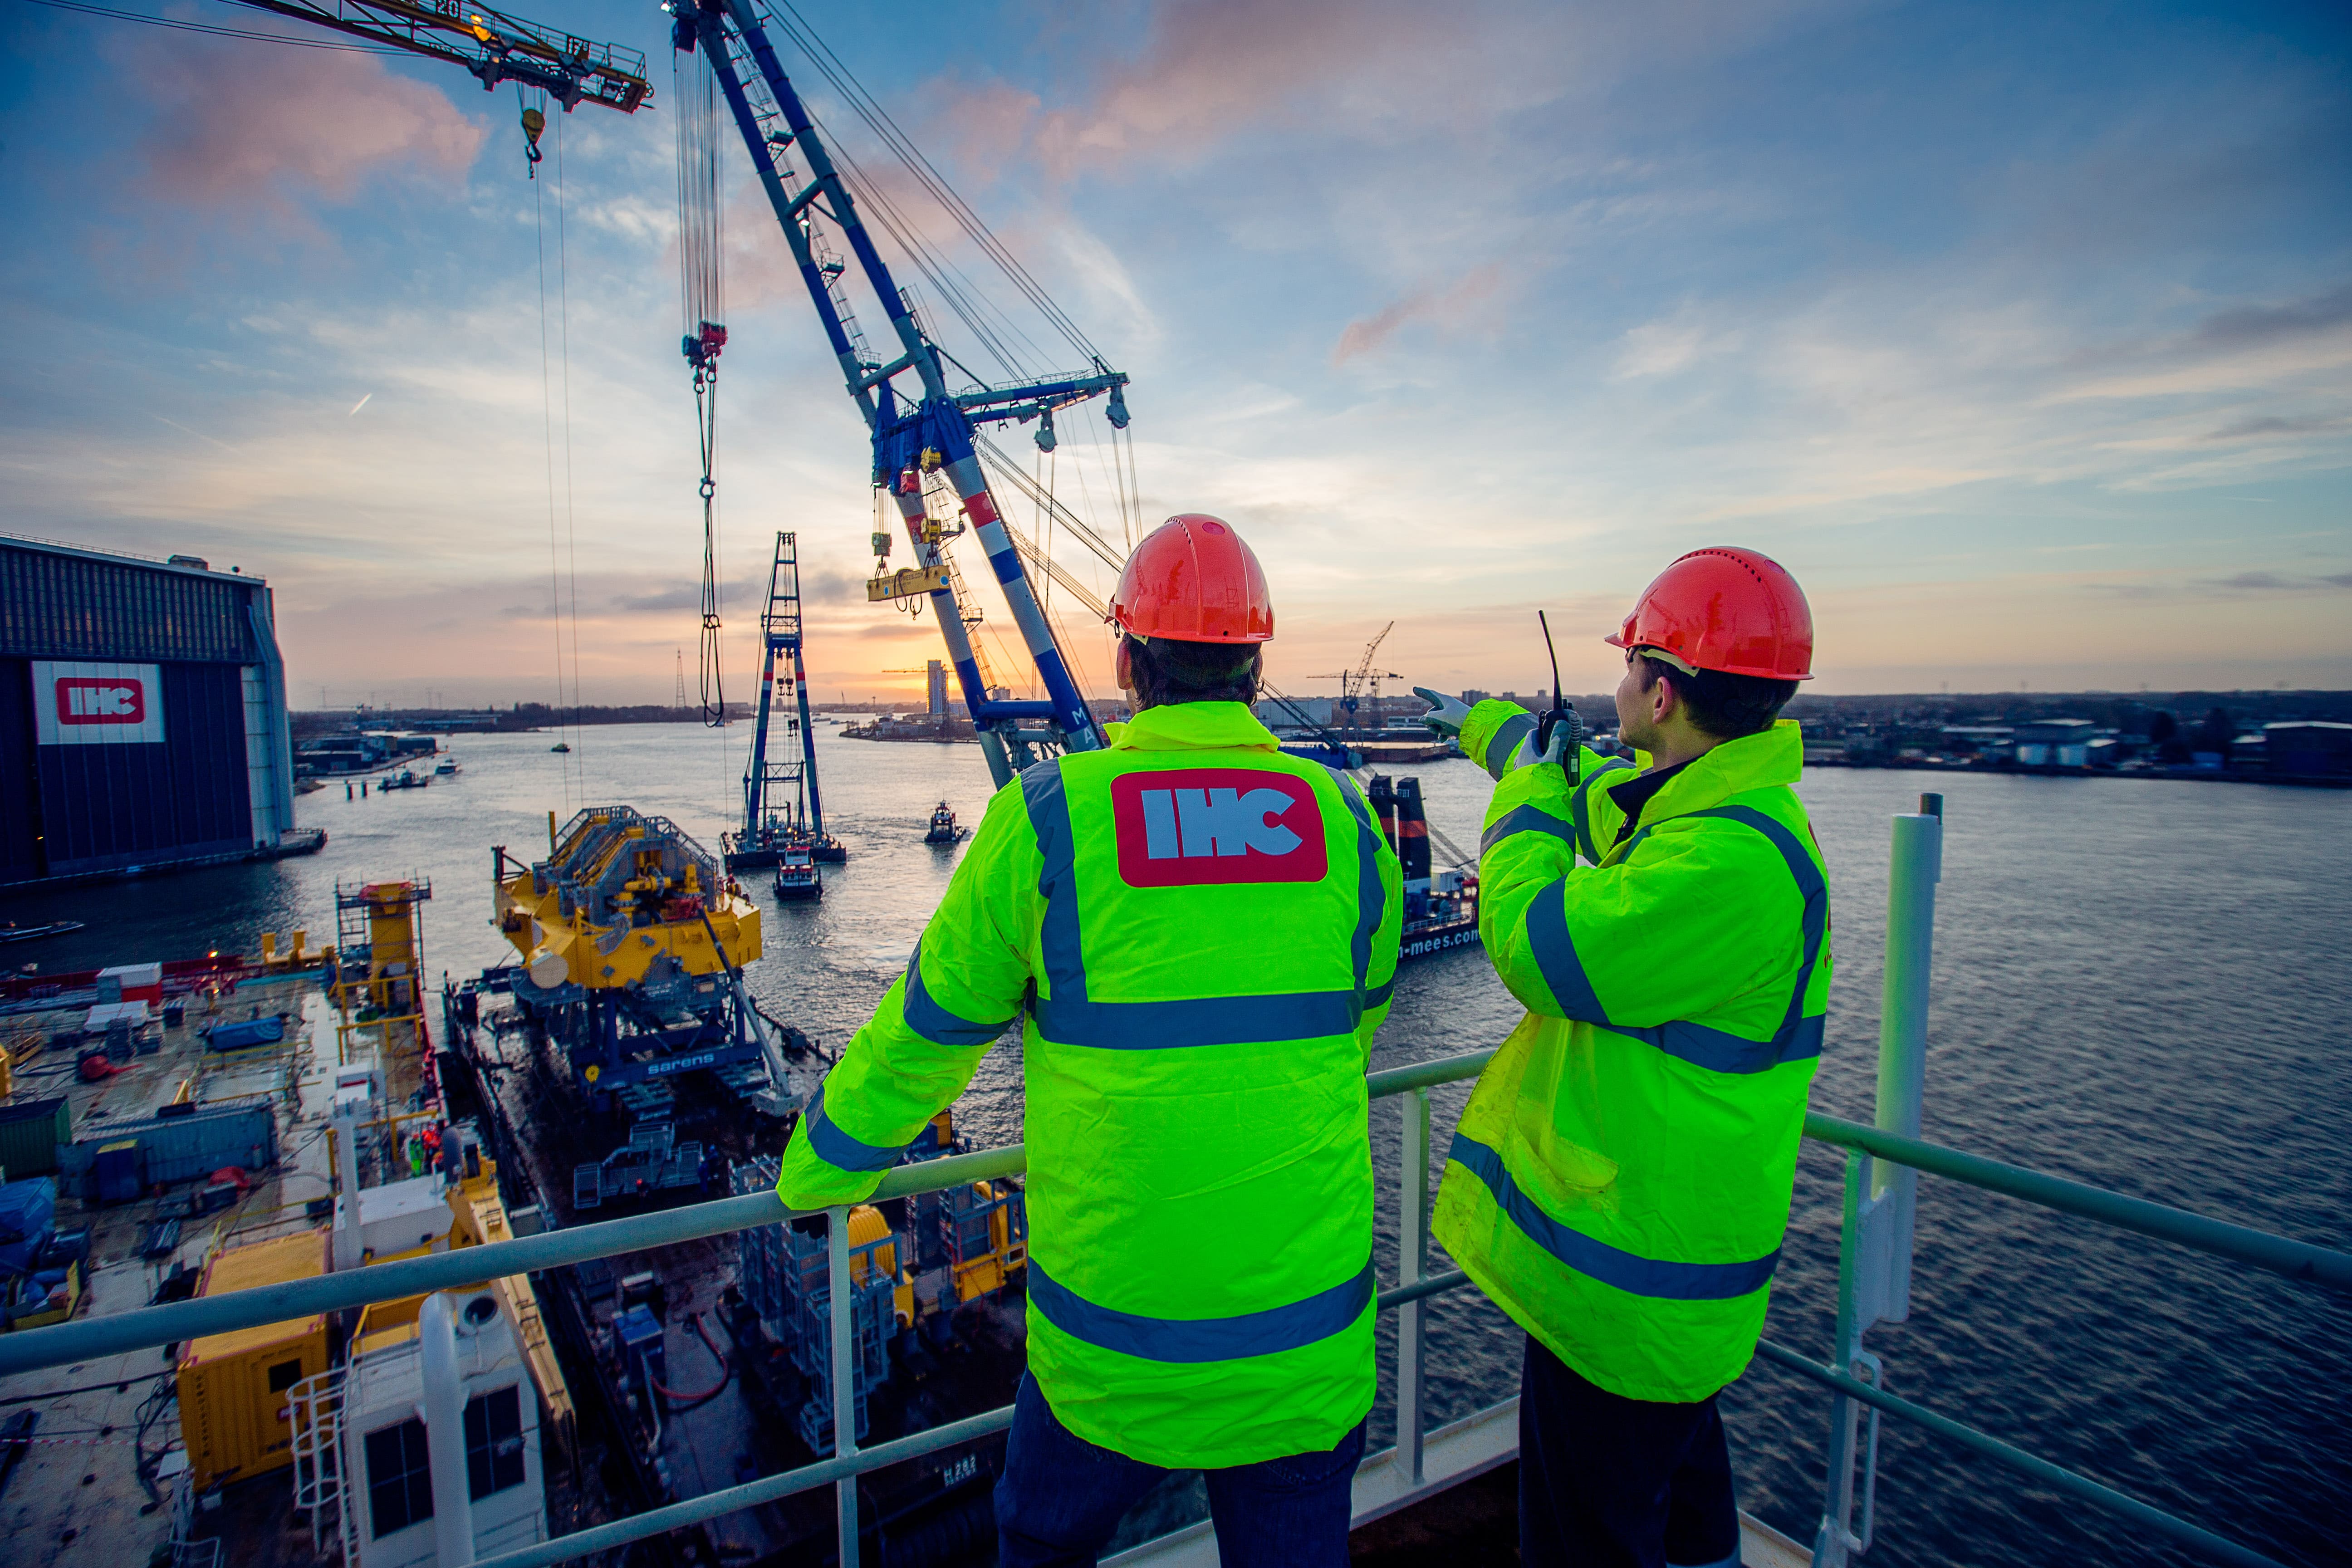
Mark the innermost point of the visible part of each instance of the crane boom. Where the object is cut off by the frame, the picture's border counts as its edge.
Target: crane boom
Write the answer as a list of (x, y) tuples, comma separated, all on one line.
[(921, 429), (491, 44)]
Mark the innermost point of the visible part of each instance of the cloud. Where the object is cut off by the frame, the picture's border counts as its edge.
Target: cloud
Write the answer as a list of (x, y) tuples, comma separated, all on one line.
[(2272, 582), (2259, 345), (1455, 305), (1664, 346), (2257, 326), (2272, 424), (1210, 67), (243, 132)]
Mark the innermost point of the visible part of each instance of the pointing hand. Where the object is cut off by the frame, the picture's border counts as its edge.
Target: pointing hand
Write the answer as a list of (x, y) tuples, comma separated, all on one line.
[(1446, 715)]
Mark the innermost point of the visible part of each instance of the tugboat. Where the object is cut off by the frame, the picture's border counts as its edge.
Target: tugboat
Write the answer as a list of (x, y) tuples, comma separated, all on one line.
[(796, 874), (407, 778), (943, 826), (560, 746)]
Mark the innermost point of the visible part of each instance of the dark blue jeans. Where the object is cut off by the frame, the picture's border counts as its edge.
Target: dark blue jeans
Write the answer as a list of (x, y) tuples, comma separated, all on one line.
[(1061, 1496), (1611, 1482)]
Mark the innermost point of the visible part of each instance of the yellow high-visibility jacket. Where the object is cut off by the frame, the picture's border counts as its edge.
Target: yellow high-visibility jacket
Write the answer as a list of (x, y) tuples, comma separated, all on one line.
[(1200, 935), (1620, 1179)]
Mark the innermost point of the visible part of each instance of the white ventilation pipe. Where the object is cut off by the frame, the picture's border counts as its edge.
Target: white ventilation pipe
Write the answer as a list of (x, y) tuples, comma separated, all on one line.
[(347, 1202), (444, 1432)]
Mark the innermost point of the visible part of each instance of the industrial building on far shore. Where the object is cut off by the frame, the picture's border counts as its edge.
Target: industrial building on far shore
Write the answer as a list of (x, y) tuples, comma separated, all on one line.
[(142, 716)]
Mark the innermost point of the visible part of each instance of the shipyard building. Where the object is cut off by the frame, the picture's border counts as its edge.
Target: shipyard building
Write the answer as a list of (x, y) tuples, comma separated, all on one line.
[(143, 715)]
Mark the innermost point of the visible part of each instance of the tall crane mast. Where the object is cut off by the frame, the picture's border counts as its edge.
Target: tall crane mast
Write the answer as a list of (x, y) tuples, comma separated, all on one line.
[(919, 426)]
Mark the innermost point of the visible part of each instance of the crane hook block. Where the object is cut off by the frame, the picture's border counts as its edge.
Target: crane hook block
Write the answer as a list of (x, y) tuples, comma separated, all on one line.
[(533, 122)]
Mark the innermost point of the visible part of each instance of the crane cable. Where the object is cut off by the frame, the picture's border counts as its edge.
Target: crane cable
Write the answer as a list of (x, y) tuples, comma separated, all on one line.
[(701, 247), (925, 173), (577, 758), (706, 424), (547, 426)]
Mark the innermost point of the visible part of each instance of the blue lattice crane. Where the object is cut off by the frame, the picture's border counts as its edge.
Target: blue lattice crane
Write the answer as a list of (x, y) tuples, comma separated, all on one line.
[(493, 45), (923, 430)]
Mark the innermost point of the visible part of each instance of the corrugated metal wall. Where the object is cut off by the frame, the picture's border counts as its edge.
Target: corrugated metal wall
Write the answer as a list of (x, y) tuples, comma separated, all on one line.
[(20, 800), (68, 810), (104, 807), (58, 605)]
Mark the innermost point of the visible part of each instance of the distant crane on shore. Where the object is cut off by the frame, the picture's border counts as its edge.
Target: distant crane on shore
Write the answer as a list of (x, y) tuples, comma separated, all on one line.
[(1359, 688)]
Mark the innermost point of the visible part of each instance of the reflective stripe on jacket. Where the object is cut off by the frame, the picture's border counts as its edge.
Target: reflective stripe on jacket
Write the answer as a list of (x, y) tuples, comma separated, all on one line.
[(1205, 934), (1620, 1179)]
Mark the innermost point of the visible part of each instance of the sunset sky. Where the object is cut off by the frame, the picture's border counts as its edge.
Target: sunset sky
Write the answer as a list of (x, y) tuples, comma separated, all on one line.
[(2022, 334)]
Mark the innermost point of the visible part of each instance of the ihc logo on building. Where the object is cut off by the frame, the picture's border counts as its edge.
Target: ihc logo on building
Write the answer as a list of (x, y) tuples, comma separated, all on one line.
[(82, 704), (82, 700), (1200, 827)]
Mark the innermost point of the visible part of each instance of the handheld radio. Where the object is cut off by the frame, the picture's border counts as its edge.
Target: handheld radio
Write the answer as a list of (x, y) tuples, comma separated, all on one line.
[(1560, 712)]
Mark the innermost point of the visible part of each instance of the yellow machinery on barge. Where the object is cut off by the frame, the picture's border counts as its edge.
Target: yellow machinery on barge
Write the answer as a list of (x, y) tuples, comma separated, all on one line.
[(634, 940)]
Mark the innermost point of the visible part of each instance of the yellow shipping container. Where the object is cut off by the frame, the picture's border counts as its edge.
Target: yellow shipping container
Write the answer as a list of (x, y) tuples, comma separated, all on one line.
[(232, 1410)]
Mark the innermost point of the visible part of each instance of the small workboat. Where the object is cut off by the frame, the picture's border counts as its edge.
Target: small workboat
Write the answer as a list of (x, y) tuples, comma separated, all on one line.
[(943, 826), (407, 778), (446, 769), (797, 877), (11, 932), (560, 746)]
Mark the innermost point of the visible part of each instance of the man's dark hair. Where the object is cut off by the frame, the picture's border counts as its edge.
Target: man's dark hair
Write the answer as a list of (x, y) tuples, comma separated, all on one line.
[(1726, 706), (1167, 672)]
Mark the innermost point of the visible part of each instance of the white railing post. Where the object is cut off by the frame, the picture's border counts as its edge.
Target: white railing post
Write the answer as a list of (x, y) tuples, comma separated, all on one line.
[(1412, 1264), (1916, 866), (844, 1378), (1876, 1234)]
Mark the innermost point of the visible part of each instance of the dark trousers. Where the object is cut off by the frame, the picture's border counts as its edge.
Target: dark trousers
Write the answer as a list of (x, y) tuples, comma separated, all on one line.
[(1611, 1482), (1060, 1497)]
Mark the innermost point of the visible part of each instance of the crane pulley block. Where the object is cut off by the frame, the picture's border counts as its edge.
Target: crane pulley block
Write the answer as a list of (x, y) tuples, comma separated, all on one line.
[(907, 583)]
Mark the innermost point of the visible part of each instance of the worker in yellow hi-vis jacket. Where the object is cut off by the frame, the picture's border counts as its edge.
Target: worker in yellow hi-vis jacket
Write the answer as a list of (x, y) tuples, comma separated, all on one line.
[(1622, 1175), (1202, 933)]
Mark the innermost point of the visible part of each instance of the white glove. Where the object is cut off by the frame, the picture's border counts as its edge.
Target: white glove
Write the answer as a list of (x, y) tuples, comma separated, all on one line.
[(1446, 715)]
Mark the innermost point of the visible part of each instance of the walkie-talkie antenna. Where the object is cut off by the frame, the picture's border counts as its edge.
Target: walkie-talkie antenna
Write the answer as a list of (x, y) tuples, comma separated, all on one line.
[(1555, 657), (1560, 711)]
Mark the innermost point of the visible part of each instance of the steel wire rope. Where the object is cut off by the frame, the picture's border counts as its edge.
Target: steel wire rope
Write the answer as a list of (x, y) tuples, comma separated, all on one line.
[(547, 426), (993, 456), (576, 759), (701, 244), (931, 266), (1135, 490), (247, 35), (917, 251), (1106, 449), (845, 81), (926, 174)]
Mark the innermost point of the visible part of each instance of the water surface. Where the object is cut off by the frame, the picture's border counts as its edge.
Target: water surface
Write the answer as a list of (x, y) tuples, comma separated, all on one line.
[(2141, 983)]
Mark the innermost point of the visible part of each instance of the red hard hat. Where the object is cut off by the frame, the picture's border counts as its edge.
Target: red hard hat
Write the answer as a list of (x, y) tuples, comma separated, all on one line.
[(1193, 580), (1726, 609)]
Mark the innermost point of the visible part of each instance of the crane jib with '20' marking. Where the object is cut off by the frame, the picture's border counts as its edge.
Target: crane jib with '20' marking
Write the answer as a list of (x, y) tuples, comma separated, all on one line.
[(1187, 827)]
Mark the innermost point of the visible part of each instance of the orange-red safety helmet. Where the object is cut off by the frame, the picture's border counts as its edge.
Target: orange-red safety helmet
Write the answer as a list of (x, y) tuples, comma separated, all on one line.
[(1193, 580), (1726, 609)]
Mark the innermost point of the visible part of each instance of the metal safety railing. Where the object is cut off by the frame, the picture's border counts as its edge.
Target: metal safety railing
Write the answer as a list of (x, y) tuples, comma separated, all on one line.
[(1874, 1283)]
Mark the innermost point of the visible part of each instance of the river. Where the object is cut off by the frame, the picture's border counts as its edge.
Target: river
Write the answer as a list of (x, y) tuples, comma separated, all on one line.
[(2141, 983)]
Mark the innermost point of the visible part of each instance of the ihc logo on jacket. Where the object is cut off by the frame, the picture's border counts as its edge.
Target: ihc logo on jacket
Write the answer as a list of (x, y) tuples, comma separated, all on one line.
[(1192, 828)]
